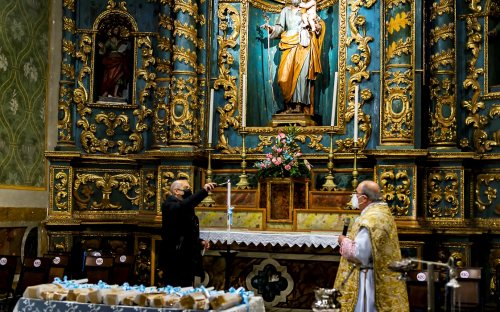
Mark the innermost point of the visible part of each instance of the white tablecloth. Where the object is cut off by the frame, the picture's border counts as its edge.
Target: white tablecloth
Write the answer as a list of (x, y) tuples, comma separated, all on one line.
[(256, 304), (272, 238)]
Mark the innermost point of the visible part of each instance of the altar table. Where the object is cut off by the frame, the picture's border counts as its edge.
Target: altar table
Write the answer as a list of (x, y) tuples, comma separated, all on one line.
[(256, 304), (272, 238)]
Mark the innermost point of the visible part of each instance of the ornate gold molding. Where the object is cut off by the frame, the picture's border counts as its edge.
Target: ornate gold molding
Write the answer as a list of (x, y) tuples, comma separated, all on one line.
[(69, 25), (478, 122), (225, 61), (113, 6), (444, 193), (397, 109), (60, 200), (106, 183), (483, 189), (358, 71), (443, 7), (397, 186), (167, 175), (69, 4)]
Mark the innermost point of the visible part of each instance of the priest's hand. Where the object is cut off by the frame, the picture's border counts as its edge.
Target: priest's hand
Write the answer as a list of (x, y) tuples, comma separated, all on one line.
[(340, 239)]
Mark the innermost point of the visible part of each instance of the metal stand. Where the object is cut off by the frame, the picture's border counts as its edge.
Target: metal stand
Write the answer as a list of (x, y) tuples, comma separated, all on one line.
[(229, 256), (329, 184), (407, 264)]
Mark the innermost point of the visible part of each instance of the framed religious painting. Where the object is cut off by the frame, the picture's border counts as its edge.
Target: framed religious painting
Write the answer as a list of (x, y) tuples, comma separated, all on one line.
[(289, 64)]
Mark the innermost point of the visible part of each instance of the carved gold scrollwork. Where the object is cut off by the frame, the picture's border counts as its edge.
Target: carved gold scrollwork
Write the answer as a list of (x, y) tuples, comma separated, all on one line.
[(443, 7), (359, 70), (70, 4), (189, 32), (68, 47), (182, 118), (485, 190), (64, 123), (187, 56), (61, 188), (148, 60), (225, 61), (442, 33), (69, 25), (397, 122), (106, 183), (443, 128), (161, 114), (396, 189), (113, 6), (443, 194), (474, 5), (474, 106), (112, 121), (397, 109), (149, 190), (186, 6)]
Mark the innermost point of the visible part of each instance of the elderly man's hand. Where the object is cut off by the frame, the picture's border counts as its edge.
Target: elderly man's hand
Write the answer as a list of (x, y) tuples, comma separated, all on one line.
[(209, 186)]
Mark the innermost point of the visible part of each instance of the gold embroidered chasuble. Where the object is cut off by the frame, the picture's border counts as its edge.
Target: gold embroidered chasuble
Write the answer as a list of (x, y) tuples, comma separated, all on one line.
[(390, 293)]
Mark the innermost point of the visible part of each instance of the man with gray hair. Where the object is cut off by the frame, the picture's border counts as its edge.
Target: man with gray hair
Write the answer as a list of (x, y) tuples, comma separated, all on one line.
[(364, 278), (180, 232)]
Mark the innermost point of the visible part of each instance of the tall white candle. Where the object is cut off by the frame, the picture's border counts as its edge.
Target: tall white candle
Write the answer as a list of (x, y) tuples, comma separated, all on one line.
[(334, 100), (228, 194), (211, 117), (356, 107), (229, 208), (244, 103)]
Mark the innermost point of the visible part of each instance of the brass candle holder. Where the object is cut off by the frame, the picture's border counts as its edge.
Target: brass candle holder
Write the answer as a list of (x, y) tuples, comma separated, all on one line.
[(329, 184), (355, 149), (209, 201), (243, 183)]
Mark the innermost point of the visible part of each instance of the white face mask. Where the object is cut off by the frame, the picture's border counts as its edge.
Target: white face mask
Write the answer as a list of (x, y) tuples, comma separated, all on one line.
[(354, 201)]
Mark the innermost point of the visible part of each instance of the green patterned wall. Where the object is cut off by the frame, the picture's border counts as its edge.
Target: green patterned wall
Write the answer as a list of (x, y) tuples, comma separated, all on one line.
[(23, 84)]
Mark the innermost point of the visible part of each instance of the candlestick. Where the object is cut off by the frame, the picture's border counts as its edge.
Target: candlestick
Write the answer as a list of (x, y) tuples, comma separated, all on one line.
[(243, 183), (356, 92), (208, 201), (329, 184), (244, 103), (334, 100), (354, 183), (211, 117)]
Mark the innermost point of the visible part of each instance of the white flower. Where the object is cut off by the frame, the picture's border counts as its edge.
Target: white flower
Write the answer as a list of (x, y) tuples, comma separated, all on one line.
[(14, 105), (17, 30), (42, 111), (3, 61), (30, 71)]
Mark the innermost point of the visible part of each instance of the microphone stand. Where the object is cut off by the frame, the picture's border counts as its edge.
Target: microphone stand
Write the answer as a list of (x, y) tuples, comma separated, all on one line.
[(407, 264)]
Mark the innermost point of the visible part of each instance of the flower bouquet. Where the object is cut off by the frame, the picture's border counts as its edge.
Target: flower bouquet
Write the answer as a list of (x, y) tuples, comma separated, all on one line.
[(284, 160)]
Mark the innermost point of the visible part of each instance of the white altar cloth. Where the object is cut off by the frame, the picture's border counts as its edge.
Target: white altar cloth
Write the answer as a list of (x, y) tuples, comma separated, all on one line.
[(271, 238)]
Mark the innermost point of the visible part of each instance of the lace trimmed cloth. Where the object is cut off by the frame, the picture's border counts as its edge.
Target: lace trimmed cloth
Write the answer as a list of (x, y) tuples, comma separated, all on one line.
[(289, 239)]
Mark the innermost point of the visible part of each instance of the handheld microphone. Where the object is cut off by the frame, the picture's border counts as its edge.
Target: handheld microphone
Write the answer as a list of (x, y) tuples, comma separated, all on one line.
[(346, 226)]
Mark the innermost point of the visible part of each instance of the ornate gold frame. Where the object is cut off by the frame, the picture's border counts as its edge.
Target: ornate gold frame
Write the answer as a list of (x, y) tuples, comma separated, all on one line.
[(233, 93)]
